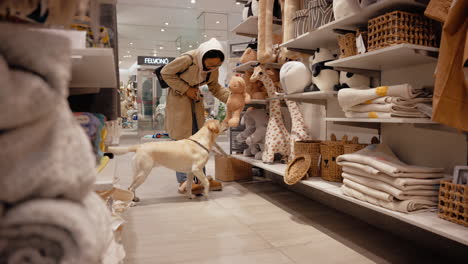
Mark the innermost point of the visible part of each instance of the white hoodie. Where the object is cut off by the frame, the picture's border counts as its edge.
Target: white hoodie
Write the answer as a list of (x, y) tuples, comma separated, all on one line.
[(212, 44)]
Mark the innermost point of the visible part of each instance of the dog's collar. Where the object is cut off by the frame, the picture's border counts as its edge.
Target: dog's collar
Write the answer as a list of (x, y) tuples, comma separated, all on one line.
[(199, 144)]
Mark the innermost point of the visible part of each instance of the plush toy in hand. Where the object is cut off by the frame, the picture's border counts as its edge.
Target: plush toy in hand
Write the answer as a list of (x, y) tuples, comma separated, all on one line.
[(236, 101), (324, 78), (295, 77), (353, 80)]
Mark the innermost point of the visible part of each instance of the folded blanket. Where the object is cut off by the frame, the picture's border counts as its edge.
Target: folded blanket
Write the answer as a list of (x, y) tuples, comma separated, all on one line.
[(404, 184), (373, 184), (56, 231), (349, 97), (387, 108), (411, 178), (350, 114), (399, 100), (407, 206), (381, 158), (45, 153)]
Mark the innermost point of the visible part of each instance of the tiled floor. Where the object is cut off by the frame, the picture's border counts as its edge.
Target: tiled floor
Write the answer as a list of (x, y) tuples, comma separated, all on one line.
[(248, 223)]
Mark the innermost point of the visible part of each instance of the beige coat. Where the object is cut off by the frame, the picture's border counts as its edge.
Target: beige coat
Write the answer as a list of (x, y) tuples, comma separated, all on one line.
[(178, 121)]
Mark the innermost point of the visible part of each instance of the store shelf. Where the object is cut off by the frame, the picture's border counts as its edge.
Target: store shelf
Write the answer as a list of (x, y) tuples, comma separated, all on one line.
[(425, 220), (382, 120), (393, 57), (325, 35), (105, 180), (311, 96), (249, 27), (276, 168), (93, 68), (248, 66)]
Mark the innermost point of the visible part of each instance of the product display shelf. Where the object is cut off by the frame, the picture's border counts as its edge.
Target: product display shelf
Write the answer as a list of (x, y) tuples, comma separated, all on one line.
[(398, 56), (248, 66), (93, 68), (249, 27), (276, 168), (105, 180), (325, 34), (426, 220), (382, 120)]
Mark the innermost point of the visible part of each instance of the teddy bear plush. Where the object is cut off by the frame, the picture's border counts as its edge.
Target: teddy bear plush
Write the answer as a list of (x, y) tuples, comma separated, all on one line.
[(248, 55), (236, 101), (324, 78)]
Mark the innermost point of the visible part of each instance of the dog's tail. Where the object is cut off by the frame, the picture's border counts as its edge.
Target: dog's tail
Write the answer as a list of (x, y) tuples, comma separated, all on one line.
[(122, 150)]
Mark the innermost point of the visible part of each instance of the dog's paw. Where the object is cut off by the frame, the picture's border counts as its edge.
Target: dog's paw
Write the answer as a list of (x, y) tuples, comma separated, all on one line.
[(191, 196)]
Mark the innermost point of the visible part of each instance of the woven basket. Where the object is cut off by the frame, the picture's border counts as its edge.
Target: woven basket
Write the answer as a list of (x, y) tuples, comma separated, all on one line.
[(231, 169), (347, 45), (297, 169), (311, 148), (353, 146), (330, 150), (365, 37), (301, 22), (453, 202), (401, 27)]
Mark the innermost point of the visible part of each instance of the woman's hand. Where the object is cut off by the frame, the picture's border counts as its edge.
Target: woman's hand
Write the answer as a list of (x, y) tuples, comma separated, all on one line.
[(193, 93)]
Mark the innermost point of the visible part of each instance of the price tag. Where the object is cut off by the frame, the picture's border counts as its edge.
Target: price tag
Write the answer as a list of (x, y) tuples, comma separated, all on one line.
[(361, 47)]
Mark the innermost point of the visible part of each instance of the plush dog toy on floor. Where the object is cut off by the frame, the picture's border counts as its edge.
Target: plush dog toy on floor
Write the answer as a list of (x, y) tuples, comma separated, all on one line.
[(186, 155)]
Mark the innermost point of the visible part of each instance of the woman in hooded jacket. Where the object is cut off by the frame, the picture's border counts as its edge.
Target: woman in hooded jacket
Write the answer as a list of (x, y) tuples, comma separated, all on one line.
[(184, 105)]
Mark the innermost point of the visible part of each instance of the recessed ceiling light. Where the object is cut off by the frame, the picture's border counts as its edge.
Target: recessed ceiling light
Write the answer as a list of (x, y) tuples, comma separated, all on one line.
[(131, 43), (166, 23), (205, 36), (178, 48), (190, 46), (162, 30), (193, 1), (238, 3), (161, 47), (217, 22)]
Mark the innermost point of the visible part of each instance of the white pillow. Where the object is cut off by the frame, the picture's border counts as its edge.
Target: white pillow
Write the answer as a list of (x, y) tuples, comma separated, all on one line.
[(294, 77)]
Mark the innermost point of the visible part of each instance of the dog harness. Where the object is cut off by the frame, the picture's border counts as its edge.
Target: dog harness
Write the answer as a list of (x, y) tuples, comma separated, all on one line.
[(199, 144)]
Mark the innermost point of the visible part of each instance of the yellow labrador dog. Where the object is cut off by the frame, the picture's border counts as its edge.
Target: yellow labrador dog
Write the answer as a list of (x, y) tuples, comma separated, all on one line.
[(186, 155)]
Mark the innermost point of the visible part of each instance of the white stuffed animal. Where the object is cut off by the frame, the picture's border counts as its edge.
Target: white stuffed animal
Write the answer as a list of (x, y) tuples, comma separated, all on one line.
[(353, 80), (247, 11), (324, 78), (344, 8), (255, 7), (295, 77)]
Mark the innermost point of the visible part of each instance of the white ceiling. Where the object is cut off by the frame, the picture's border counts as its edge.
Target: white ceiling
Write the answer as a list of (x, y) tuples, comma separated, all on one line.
[(140, 23)]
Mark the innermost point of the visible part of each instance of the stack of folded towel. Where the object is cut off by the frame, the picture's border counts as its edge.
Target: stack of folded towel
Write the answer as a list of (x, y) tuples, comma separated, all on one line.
[(377, 176), (48, 210), (383, 102)]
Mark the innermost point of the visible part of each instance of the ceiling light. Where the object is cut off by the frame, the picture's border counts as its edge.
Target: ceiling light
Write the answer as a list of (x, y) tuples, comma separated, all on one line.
[(162, 30), (161, 47), (128, 51), (166, 23), (217, 22), (238, 3), (193, 1), (178, 48), (205, 36), (190, 46), (131, 43)]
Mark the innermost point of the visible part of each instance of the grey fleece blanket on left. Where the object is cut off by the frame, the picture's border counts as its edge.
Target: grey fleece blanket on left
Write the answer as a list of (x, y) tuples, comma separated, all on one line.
[(44, 152)]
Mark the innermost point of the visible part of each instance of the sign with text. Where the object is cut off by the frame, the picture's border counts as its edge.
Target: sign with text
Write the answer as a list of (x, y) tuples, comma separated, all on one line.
[(157, 61)]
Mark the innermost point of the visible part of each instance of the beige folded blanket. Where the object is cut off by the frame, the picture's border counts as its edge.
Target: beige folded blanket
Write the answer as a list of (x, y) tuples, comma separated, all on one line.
[(404, 184), (401, 114), (399, 100), (56, 231), (389, 189), (407, 206), (386, 108), (349, 97), (381, 158)]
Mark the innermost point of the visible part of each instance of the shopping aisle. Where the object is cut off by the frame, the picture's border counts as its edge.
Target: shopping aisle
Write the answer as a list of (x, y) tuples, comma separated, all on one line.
[(248, 223)]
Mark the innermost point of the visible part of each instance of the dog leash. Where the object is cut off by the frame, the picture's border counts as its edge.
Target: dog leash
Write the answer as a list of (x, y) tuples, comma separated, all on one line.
[(199, 144)]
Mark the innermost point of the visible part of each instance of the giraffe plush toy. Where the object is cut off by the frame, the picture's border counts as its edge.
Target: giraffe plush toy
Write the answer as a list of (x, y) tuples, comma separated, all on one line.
[(298, 130), (277, 137)]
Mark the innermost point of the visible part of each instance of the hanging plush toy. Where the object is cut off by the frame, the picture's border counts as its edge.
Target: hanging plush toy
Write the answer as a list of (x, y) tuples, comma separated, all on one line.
[(353, 80), (324, 78), (236, 101), (295, 77)]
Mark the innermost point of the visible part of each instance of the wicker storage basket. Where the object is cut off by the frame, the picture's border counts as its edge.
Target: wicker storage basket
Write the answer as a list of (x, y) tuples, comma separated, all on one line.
[(330, 150), (301, 22), (347, 45), (353, 146), (401, 27), (453, 202), (311, 148), (230, 169)]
